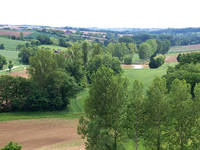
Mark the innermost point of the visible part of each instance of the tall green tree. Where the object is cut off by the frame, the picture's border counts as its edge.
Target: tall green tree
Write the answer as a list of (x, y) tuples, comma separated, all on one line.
[(85, 48), (21, 36), (10, 65), (183, 117), (74, 63), (145, 51), (2, 61), (25, 53), (153, 44), (101, 128), (156, 114), (133, 113), (41, 65)]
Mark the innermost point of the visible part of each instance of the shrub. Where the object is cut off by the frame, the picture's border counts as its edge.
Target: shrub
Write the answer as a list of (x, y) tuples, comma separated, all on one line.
[(2, 61), (2, 46), (157, 61), (12, 146), (128, 59)]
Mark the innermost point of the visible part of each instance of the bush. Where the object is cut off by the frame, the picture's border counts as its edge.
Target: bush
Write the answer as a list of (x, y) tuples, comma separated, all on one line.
[(12, 146), (2, 61), (157, 61), (44, 39), (25, 53), (2, 46), (128, 60)]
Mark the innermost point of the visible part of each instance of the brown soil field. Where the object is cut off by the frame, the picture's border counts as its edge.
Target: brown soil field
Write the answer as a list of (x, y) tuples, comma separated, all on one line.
[(42, 134), (170, 59), (16, 33), (22, 73)]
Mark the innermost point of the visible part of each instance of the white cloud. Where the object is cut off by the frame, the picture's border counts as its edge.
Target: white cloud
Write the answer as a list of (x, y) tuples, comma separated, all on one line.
[(102, 13)]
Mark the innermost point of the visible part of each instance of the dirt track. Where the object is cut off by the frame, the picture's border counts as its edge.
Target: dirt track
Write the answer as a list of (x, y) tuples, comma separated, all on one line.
[(22, 73), (54, 134)]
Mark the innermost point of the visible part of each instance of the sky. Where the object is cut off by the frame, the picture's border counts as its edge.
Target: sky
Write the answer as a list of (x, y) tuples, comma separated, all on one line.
[(102, 13)]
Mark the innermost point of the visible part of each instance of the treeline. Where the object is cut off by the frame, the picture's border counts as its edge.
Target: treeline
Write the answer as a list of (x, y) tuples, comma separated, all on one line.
[(162, 118), (124, 49)]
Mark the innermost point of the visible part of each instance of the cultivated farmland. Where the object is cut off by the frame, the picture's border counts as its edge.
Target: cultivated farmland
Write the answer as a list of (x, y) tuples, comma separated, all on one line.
[(181, 49), (15, 33)]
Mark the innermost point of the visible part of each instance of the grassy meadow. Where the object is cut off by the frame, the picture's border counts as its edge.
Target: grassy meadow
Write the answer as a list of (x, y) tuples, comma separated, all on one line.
[(10, 44)]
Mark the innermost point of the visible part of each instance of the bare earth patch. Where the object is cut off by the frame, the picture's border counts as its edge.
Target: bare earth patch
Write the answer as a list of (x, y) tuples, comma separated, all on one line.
[(136, 66), (170, 59), (22, 73), (42, 134), (15, 33)]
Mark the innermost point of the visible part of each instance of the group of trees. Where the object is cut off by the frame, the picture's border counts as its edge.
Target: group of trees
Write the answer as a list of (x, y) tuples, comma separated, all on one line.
[(49, 88), (63, 43), (44, 39), (163, 118), (187, 69), (2, 61), (53, 77), (152, 47)]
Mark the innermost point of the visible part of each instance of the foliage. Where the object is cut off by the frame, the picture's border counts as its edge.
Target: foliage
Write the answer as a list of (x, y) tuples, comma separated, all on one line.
[(128, 59), (49, 88), (12, 146), (35, 42), (63, 43), (188, 72), (126, 39), (133, 113), (157, 61), (184, 130), (10, 65), (44, 39), (118, 50), (145, 51), (189, 58), (101, 128), (2, 46), (85, 48), (25, 53), (153, 44), (107, 60), (2, 61), (156, 113), (21, 37), (74, 64), (163, 46)]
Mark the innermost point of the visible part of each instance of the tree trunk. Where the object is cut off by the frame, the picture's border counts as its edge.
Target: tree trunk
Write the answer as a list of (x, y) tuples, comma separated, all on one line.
[(115, 141), (136, 137), (158, 138)]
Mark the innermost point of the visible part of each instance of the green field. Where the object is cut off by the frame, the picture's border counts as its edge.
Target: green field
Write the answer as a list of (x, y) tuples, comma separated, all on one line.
[(10, 44), (186, 48), (10, 55), (147, 75)]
